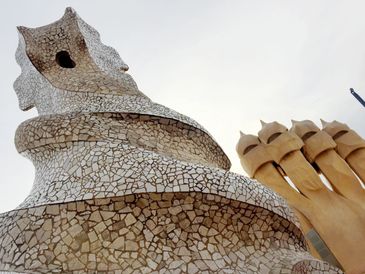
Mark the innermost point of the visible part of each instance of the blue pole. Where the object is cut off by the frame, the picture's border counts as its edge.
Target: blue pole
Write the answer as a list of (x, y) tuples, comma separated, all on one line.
[(357, 96)]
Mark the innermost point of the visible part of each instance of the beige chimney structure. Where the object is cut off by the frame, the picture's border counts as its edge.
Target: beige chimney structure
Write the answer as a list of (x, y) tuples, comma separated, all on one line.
[(319, 149), (350, 145), (125, 185), (301, 155)]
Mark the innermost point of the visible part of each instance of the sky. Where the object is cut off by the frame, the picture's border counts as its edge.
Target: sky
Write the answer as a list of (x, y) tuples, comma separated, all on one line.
[(226, 64)]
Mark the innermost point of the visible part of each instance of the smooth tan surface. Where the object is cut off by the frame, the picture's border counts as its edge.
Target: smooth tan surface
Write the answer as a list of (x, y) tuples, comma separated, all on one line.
[(252, 161), (338, 216), (316, 144), (302, 128), (319, 148), (356, 160), (342, 179), (302, 174), (332, 128), (271, 177), (350, 146), (269, 129), (348, 143)]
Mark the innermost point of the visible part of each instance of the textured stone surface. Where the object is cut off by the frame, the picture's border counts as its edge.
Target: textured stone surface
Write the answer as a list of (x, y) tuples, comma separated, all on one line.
[(185, 232), (165, 136), (125, 185)]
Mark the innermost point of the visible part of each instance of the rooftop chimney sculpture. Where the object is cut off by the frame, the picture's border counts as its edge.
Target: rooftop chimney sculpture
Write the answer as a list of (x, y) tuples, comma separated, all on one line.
[(125, 185), (333, 221)]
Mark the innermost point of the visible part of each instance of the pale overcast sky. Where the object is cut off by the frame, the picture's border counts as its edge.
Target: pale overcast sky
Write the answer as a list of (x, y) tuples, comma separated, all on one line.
[(227, 64)]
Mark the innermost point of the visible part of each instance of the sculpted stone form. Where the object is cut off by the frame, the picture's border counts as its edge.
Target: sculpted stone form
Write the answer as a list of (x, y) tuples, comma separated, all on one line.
[(338, 216), (319, 148), (259, 164), (350, 145), (125, 185)]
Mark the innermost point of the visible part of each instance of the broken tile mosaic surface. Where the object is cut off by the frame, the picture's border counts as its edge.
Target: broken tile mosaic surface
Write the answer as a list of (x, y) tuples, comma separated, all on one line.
[(125, 185)]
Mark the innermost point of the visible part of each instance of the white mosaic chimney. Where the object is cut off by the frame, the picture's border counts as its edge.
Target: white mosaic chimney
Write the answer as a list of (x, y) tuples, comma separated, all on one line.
[(125, 185)]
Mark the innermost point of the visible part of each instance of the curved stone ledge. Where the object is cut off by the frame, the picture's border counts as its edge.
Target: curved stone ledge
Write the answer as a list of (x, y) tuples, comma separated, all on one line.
[(76, 171), (63, 101), (164, 136), (188, 232)]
